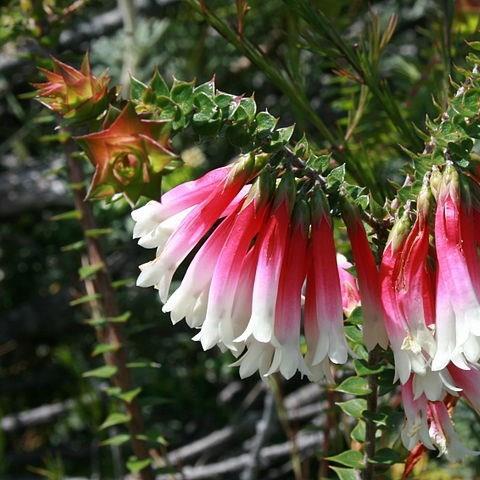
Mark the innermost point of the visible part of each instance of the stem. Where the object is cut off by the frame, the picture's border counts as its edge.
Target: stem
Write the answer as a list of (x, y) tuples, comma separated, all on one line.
[(112, 333), (371, 428)]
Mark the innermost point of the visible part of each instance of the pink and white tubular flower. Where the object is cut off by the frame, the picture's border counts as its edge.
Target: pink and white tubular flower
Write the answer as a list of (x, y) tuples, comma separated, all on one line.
[(443, 434), (374, 332), (324, 313), (288, 315), (193, 227), (458, 308), (415, 428), (272, 243), (348, 284), (469, 383), (396, 326), (219, 327), (156, 221)]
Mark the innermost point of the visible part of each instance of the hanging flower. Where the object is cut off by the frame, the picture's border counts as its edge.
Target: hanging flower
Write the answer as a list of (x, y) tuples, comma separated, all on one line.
[(415, 427), (443, 435), (219, 326), (324, 314), (288, 358), (77, 95), (374, 332), (458, 307), (129, 156), (348, 284), (193, 227)]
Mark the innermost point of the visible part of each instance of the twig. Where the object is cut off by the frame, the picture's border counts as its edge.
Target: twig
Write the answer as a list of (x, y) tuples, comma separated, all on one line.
[(112, 333)]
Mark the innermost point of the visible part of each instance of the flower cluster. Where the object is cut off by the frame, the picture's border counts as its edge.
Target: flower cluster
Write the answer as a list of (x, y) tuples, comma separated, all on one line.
[(265, 261), (430, 292)]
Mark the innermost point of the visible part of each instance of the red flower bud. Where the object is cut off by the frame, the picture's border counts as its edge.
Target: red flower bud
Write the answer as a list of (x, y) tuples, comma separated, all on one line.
[(77, 95), (129, 156)]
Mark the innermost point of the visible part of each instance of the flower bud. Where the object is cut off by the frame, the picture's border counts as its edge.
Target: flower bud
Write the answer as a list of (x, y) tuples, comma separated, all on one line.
[(77, 95)]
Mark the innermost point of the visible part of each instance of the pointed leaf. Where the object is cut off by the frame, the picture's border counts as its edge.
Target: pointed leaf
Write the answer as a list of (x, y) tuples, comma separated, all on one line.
[(115, 418), (349, 458), (354, 386), (106, 371)]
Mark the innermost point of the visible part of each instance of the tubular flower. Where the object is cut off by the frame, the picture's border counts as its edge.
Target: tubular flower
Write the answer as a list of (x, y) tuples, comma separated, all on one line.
[(243, 288), (218, 326), (129, 156), (75, 94), (348, 284), (415, 427), (272, 245), (287, 358), (409, 302), (458, 307), (468, 382), (192, 229), (374, 332), (429, 423), (259, 334), (443, 435), (324, 315)]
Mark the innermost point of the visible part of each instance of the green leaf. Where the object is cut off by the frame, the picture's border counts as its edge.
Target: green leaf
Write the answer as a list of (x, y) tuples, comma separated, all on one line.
[(101, 348), (279, 138), (158, 85), (135, 465), (88, 271), (130, 395), (265, 123), (73, 246), (387, 456), (137, 89), (106, 371), (182, 94), (319, 163), (117, 440), (250, 107), (120, 318), (336, 177), (124, 282), (98, 232), (354, 407), (346, 473), (207, 87), (85, 299), (349, 458), (354, 386), (115, 418), (358, 432), (70, 215), (362, 368)]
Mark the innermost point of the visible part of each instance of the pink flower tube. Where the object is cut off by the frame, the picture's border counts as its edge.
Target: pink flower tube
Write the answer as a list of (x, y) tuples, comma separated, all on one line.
[(287, 358), (458, 308), (374, 332), (194, 226), (324, 314)]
